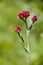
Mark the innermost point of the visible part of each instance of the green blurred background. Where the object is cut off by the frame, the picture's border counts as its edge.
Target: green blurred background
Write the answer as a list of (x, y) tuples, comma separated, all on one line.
[(11, 51)]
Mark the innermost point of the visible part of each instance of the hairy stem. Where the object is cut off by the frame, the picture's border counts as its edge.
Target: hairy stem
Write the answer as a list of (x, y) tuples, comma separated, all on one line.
[(25, 22), (23, 44), (28, 47), (21, 37)]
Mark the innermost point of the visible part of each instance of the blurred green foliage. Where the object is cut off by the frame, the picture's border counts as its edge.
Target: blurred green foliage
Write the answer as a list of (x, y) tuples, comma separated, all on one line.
[(11, 51)]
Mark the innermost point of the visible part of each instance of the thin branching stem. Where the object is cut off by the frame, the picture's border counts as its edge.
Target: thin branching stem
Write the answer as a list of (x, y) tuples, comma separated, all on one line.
[(23, 44), (21, 37)]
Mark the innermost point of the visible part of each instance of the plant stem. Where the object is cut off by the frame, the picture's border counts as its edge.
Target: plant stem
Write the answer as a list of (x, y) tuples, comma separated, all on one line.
[(21, 37), (27, 33), (28, 47), (23, 44), (26, 25), (25, 22)]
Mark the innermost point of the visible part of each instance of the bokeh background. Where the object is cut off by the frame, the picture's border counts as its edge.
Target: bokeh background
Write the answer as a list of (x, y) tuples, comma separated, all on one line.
[(11, 51)]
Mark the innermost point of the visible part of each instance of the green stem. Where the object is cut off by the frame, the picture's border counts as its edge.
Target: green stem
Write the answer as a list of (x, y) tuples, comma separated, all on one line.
[(20, 37), (25, 22), (23, 44), (28, 47)]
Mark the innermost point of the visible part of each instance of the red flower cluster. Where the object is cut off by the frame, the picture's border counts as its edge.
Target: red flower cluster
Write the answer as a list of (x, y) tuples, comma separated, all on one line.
[(26, 13), (17, 29), (23, 14), (34, 18)]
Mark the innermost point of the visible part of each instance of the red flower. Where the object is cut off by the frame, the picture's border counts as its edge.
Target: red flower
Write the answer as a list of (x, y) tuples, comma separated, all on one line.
[(23, 14), (26, 13), (17, 29), (34, 18), (20, 15)]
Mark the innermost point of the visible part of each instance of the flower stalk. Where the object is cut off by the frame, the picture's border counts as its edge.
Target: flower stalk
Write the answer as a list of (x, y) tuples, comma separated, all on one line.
[(28, 47), (20, 37), (23, 44)]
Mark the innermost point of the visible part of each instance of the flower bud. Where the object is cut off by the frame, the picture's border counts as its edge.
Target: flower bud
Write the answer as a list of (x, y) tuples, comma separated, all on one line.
[(20, 15), (34, 18), (17, 29)]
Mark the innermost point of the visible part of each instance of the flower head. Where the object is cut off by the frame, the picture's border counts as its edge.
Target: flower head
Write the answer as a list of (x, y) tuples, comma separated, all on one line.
[(34, 18), (23, 14), (17, 29), (26, 13), (20, 15)]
